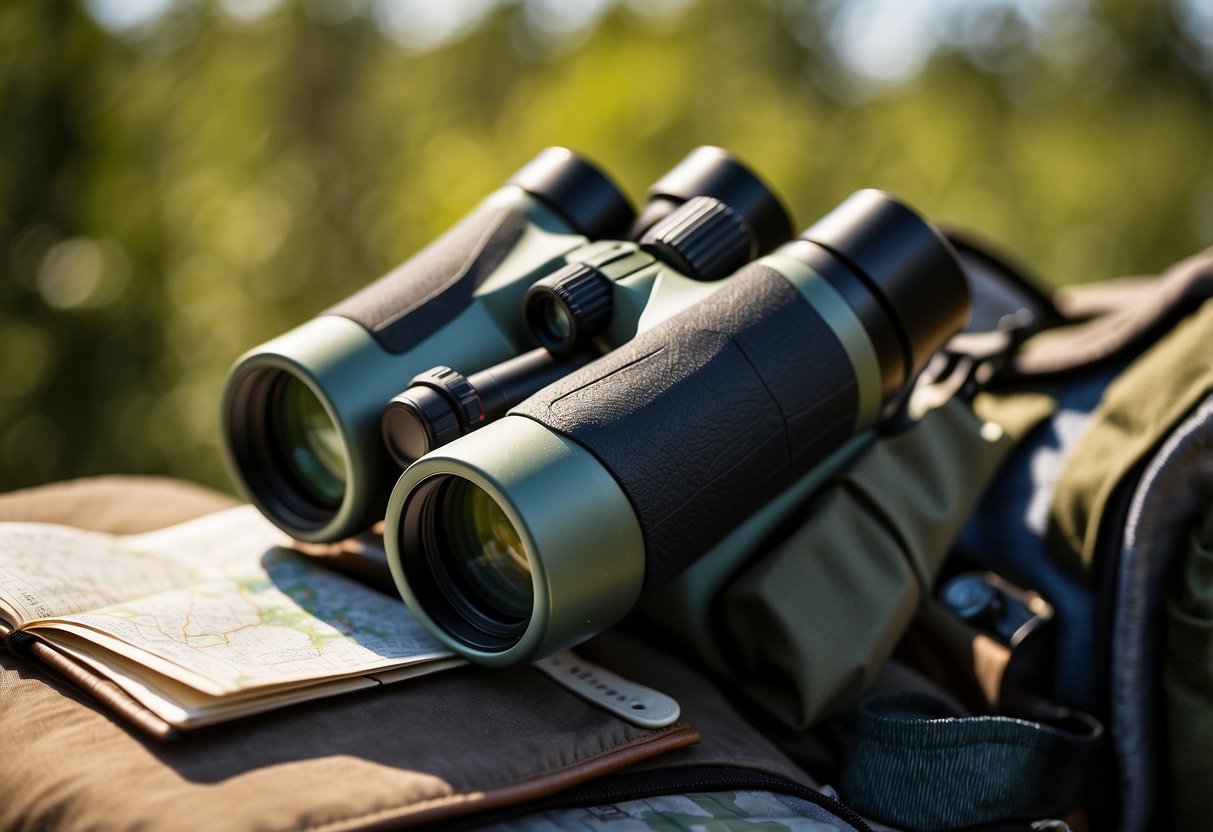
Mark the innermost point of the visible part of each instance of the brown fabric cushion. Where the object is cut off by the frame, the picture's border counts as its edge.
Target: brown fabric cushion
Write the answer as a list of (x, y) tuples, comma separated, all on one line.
[(433, 748)]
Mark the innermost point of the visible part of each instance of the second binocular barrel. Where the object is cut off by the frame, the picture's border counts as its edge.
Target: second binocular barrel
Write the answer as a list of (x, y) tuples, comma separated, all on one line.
[(543, 528)]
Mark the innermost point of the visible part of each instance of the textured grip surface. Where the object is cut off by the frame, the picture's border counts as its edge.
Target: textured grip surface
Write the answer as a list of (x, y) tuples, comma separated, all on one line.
[(414, 300), (708, 416)]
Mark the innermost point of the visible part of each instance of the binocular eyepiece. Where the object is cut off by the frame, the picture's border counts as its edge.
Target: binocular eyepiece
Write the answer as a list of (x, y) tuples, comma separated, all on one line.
[(547, 526), (441, 404), (706, 218)]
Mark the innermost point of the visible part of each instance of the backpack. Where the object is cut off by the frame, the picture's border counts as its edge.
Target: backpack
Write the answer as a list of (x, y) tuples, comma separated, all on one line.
[(1051, 519)]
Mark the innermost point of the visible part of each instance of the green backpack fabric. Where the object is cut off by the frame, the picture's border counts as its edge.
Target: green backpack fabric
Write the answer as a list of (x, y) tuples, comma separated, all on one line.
[(1133, 513), (1105, 510)]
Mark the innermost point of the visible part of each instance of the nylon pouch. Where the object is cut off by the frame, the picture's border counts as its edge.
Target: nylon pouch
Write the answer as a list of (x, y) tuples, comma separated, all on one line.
[(800, 608), (809, 624)]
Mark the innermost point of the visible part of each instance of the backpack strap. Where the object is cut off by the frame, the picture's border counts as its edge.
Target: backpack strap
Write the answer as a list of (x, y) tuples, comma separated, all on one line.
[(1113, 320), (918, 763), (1075, 328)]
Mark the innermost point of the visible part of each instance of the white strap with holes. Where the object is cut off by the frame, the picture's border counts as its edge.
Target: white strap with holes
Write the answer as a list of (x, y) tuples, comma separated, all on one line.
[(629, 701)]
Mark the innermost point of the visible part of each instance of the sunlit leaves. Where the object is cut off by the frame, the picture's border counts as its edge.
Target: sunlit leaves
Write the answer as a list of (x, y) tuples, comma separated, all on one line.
[(176, 189)]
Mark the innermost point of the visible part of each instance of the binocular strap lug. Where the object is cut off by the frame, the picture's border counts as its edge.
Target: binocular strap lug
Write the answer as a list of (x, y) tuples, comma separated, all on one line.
[(641, 706)]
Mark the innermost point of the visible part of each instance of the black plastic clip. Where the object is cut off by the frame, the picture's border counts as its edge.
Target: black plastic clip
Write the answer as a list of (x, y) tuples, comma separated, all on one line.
[(971, 359)]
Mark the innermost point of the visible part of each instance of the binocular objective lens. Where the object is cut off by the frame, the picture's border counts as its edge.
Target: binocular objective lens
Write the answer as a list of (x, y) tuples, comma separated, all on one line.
[(486, 554), (309, 443)]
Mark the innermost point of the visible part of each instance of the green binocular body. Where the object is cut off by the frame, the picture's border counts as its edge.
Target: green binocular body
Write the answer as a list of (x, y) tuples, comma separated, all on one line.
[(302, 413), (545, 527), (689, 398)]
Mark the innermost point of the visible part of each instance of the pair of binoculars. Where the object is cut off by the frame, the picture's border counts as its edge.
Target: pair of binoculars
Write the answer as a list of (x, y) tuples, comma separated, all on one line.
[(302, 414), (680, 386)]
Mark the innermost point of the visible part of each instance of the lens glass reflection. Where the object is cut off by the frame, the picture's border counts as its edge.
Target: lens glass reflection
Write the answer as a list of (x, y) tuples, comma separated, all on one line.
[(556, 321), (310, 443), (486, 552)]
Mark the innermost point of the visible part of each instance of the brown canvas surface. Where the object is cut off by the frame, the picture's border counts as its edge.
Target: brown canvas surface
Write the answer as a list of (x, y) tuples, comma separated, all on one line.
[(432, 748)]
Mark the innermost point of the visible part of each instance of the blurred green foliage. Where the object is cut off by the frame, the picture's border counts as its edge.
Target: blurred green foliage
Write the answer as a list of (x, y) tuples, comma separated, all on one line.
[(174, 192)]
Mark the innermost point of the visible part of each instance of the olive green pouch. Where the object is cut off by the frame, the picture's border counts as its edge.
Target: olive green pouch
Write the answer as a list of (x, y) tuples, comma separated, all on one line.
[(800, 608), (809, 624)]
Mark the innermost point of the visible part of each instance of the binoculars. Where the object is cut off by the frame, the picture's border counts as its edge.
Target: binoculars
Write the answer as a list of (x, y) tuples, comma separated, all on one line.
[(302, 413), (690, 371)]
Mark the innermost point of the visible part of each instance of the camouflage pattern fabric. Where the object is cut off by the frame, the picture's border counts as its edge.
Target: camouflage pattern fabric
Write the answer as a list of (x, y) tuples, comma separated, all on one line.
[(747, 811)]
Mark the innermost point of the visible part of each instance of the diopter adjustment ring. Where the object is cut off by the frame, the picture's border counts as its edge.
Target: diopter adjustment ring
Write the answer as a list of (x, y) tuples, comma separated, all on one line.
[(584, 296), (437, 407), (704, 239), (453, 386)]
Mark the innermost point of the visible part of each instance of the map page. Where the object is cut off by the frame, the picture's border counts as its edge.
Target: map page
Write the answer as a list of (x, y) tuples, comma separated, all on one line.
[(216, 604)]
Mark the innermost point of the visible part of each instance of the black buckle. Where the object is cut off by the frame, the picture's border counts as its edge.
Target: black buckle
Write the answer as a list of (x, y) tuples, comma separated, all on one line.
[(970, 360)]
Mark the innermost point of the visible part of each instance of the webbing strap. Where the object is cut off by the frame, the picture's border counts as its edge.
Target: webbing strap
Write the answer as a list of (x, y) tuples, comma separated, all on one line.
[(917, 763)]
